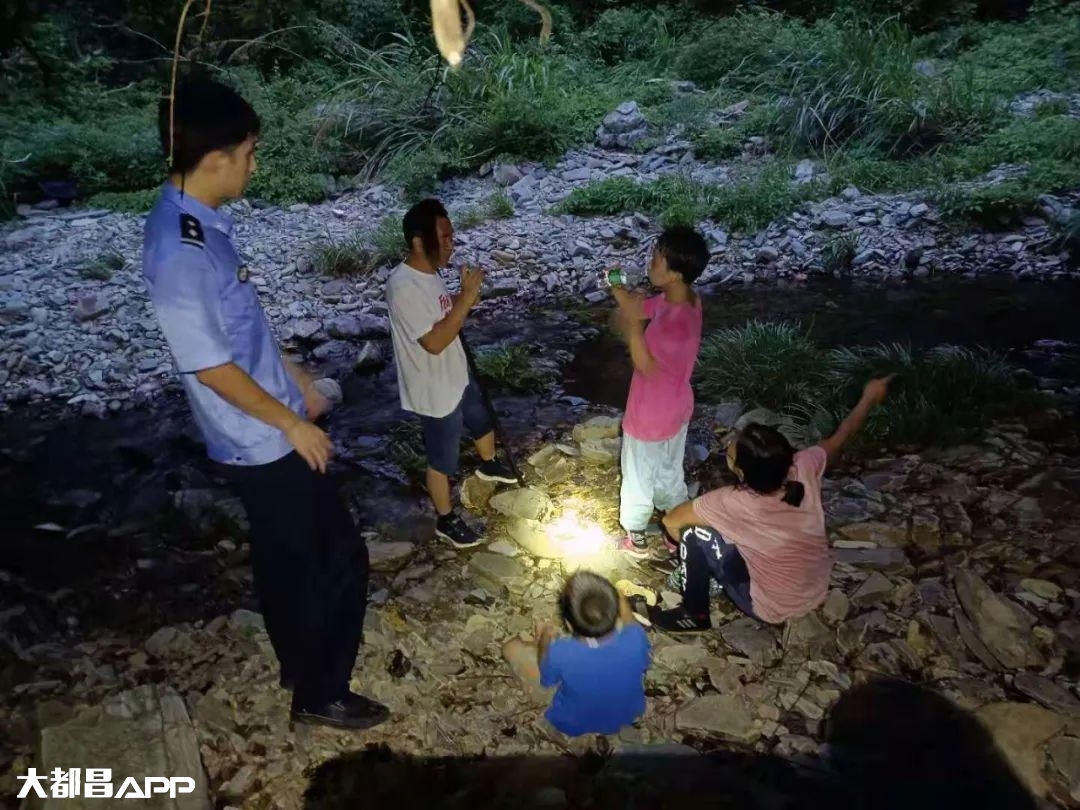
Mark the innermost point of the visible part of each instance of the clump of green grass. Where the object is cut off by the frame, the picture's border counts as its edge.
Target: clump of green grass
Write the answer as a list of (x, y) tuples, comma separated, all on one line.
[(102, 267), (497, 206), (406, 447), (838, 255), (746, 206), (754, 203), (359, 256), (508, 366), (389, 241), (347, 258), (718, 143), (675, 195), (765, 365), (944, 394), (126, 202)]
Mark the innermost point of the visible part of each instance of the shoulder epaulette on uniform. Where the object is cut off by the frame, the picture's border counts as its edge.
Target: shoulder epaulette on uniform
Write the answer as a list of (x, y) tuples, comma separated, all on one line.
[(191, 232)]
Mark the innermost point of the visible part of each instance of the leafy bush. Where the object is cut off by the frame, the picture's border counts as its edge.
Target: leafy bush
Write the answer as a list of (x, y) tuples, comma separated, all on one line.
[(1041, 53), (622, 35), (508, 366), (116, 154)]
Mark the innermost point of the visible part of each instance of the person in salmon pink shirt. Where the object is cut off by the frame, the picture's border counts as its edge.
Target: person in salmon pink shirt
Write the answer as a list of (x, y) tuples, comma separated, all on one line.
[(664, 334), (763, 539)]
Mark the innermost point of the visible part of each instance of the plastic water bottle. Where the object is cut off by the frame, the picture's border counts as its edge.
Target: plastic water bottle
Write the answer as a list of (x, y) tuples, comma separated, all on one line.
[(621, 277)]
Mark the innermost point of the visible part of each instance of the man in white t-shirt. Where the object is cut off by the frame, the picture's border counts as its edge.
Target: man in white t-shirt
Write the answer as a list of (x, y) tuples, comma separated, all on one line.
[(433, 374)]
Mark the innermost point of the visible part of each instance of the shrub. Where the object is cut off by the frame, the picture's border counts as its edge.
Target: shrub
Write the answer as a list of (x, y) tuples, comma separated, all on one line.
[(114, 154), (621, 35), (508, 366), (1041, 53), (762, 365)]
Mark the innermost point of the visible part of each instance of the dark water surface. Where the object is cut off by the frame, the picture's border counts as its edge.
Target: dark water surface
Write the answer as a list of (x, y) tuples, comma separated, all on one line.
[(1003, 314)]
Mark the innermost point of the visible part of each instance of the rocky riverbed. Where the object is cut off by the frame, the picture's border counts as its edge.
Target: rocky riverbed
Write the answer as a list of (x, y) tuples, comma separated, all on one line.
[(76, 328), (956, 568)]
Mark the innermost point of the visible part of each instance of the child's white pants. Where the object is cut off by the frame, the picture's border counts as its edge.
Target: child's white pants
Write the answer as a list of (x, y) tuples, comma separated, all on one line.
[(652, 476)]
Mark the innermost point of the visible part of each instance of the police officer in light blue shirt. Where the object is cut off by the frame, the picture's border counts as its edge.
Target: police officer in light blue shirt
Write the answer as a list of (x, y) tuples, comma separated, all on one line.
[(254, 409)]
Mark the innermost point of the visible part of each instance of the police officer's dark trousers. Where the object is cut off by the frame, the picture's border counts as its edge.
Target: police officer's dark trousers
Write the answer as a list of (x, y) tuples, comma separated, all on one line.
[(311, 574)]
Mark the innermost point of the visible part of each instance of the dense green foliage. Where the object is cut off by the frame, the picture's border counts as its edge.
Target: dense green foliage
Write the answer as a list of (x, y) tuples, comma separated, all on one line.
[(944, 394), (894, 94)]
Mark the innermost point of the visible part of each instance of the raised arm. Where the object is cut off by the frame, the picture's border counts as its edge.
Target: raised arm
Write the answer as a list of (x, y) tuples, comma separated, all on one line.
[(444, 332), (873, 395)]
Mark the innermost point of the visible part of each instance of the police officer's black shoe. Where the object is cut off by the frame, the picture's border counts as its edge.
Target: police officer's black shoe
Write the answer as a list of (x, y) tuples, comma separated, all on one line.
[(353, 711), (451, 527)]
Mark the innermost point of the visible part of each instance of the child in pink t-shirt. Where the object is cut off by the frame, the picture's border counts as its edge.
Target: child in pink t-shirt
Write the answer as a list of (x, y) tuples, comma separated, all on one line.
[(661, 401), (764, 540)]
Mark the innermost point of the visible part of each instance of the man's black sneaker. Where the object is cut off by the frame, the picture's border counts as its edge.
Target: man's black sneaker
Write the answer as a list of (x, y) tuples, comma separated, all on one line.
[(452, 528), (678, 620), (353, 711), (494, 471)]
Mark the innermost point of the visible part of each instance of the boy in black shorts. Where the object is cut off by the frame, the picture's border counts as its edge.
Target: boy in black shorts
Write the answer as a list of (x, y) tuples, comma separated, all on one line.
[(433, 373)]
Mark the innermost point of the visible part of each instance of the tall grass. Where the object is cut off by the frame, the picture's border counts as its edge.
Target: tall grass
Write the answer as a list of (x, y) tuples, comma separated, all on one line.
[(863, 88), (762, 364), (941, 394)]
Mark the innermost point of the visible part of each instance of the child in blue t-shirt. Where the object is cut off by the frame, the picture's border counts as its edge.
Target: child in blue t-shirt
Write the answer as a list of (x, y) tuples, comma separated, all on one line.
[(598, 673)]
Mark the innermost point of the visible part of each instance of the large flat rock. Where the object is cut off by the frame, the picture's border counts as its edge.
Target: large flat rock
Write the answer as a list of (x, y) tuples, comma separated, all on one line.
[(140, 733)]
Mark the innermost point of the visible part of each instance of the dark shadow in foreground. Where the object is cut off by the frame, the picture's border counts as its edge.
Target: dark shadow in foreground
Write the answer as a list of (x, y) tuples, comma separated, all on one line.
[(890, 744)]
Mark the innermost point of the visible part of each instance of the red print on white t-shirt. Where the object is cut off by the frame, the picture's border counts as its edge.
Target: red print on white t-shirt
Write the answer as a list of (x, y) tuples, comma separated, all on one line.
[(445, 302)]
